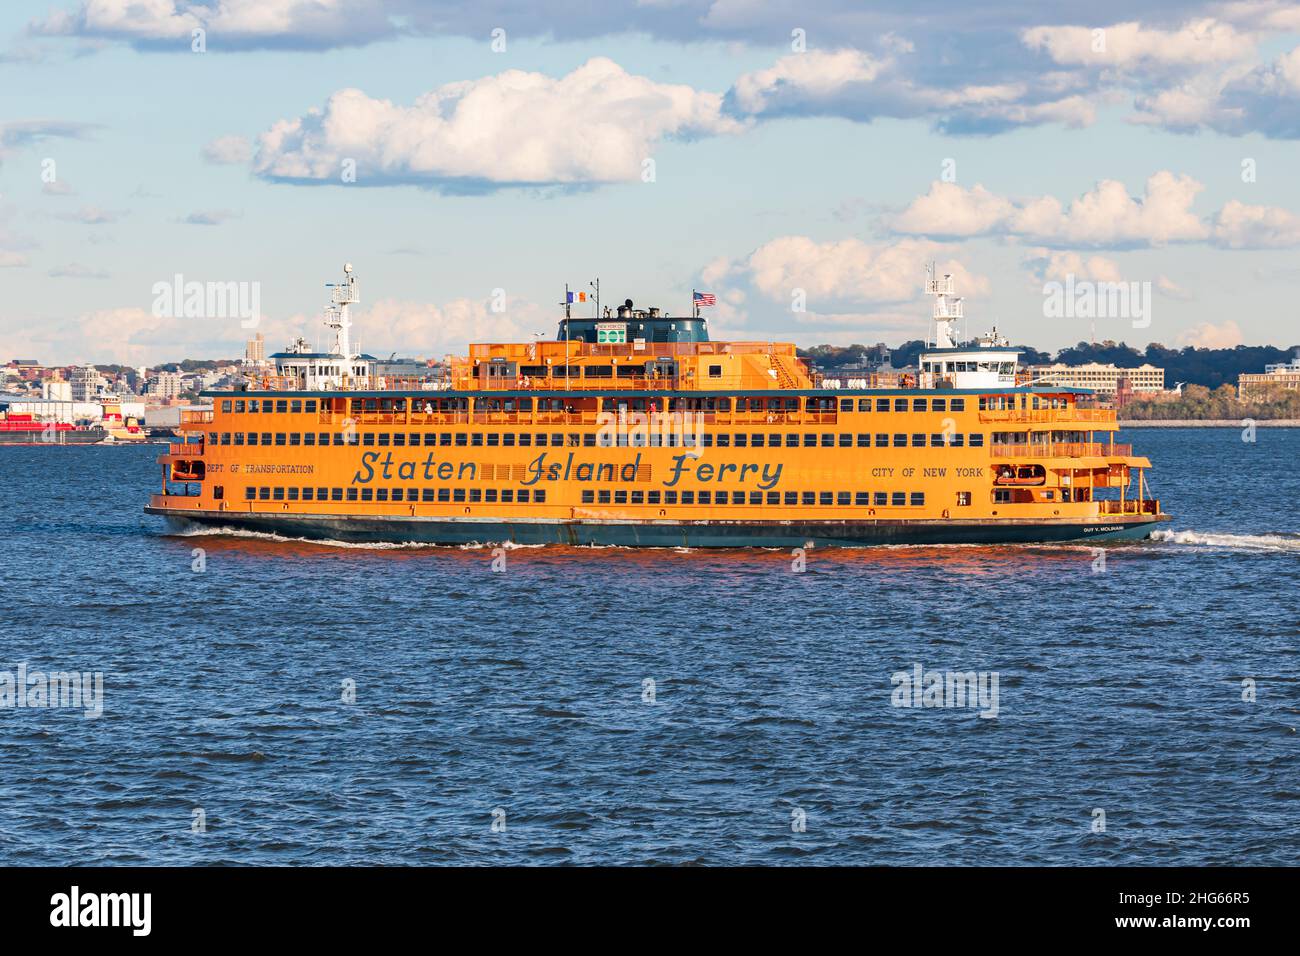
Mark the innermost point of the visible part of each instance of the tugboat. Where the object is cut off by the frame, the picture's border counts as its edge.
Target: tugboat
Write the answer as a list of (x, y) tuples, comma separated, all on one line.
[(632, 427)]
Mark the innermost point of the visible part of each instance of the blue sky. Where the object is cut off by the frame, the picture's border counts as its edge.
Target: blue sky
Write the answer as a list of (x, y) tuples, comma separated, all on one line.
[(777, 170)]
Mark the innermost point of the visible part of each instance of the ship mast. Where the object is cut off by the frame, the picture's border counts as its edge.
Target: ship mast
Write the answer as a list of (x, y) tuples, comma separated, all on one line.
[(342, 295), (947, 307)]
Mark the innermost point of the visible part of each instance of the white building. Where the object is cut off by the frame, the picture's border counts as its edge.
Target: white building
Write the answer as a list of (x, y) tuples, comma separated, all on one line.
[(1103, 379)]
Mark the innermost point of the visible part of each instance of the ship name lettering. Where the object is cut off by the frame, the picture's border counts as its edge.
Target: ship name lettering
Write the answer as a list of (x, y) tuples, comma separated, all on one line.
[(934, 472), (970, 472), (882, 473)]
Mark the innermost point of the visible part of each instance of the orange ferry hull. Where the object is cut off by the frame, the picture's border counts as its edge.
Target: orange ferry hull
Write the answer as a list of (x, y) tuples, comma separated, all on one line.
[(713, 533)]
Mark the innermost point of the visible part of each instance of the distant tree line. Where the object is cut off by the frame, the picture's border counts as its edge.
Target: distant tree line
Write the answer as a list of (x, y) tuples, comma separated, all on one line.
[(1211, 368), (1199, 402)]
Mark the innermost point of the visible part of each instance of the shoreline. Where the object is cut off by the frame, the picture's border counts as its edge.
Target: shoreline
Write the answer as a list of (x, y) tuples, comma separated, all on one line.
[(1209, 423)]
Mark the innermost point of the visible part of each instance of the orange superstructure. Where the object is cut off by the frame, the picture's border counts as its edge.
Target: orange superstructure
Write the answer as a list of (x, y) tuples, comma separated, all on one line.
[(676, 442)]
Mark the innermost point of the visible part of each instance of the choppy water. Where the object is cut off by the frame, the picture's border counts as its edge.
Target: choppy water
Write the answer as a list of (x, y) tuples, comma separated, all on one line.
[(522, 691)]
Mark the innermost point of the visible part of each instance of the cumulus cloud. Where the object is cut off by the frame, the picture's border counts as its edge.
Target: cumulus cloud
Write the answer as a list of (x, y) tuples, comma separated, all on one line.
[(435, 330), (1240, 226), (1047, 265), (1207, 335), (232, 24), (861, 86), (15, 135), (597, 124), (228, 150), (1131, 45), (1105, 216)]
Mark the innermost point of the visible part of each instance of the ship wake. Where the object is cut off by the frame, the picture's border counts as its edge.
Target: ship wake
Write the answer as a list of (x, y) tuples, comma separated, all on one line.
[(1286, 542)]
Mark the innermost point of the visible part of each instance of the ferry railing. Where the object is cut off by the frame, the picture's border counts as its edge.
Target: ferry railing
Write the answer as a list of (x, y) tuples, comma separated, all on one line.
[(1061, 450), (1048, 415), (185, 450), (548, 417), (196, 416), (1139, 506)]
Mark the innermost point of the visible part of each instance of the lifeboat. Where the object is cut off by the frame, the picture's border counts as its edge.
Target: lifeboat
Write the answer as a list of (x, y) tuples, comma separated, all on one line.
[(1020, 476)]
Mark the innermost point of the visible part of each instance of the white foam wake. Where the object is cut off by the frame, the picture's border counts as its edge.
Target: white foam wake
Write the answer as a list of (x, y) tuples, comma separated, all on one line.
[(1242, 542), (323, 542)]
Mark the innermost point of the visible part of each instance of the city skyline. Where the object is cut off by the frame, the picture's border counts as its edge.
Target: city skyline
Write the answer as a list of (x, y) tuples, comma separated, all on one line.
[(471, 158)]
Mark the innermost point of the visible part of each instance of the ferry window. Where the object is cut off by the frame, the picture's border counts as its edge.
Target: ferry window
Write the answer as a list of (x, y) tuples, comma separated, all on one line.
[(755, 498), (918, 404), (809, 441), (458, 494), (311, 405), (670, 497), (706, 438), (368, 438), (266, 407), (252, 404), (842, 498), (958, 439), (444, 494), (938, 439), (444, 438), (225, 405), (264, 494), (605, 497), (588, 496), (864, 441), (490, 495), (508, 439), (309, 438), (281, 406), (862, 498), (724, 440), (918, 440), (846, 440), (918, 498), (939, 405), (977, 440), (774, 497), (828, 440), (963, 499), (898, 498), (367, 494), (588, 439), (293, 494), (295, 405), (341, 439), (882, 404), (476, 438), (846, 404), (225, 438), (881, 497), (239, 405), (426, 494), (741, 440), (399, 439), (791, 441), (352, 494), (476, 495), (900, 404), (522, 497), (557, 440), (249, 492), (539, 496), (652, 497), (279, 438), (381, 494), (705, 497), (958, 405), (756, 441), (792, 497), (507, 495), (715, 371), (277, 494), (882, 440), (266, 438), (864, 404), (826, 498), (239, 438), (1002, 496), (900, 441), (737, 497), (688, 497), (603, 439), (984, 402), (809, 498), (462, 438), (493, 438), (336, 494)]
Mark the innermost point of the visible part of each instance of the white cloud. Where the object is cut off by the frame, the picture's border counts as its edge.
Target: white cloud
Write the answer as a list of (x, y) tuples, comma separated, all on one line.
[(1131, 45), (1104, 216), (208, 217), (1055, 265), (1207, 335), (1240, 226), (228, 150), (595, 125)]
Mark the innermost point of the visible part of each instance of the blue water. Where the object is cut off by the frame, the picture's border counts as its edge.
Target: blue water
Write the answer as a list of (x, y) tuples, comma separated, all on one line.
[(522, 691)]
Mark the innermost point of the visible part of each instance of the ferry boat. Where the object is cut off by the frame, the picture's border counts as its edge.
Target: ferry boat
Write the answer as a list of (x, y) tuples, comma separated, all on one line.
[(634, 428), (27, 429)]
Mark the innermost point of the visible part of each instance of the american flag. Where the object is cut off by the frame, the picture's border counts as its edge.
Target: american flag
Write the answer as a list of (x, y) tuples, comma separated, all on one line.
[(705, 298)]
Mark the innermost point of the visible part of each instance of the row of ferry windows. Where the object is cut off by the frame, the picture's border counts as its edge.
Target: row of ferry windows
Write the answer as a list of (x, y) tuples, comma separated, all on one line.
[(860, 499), (505, 495), (594, 439), (297, 405)]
